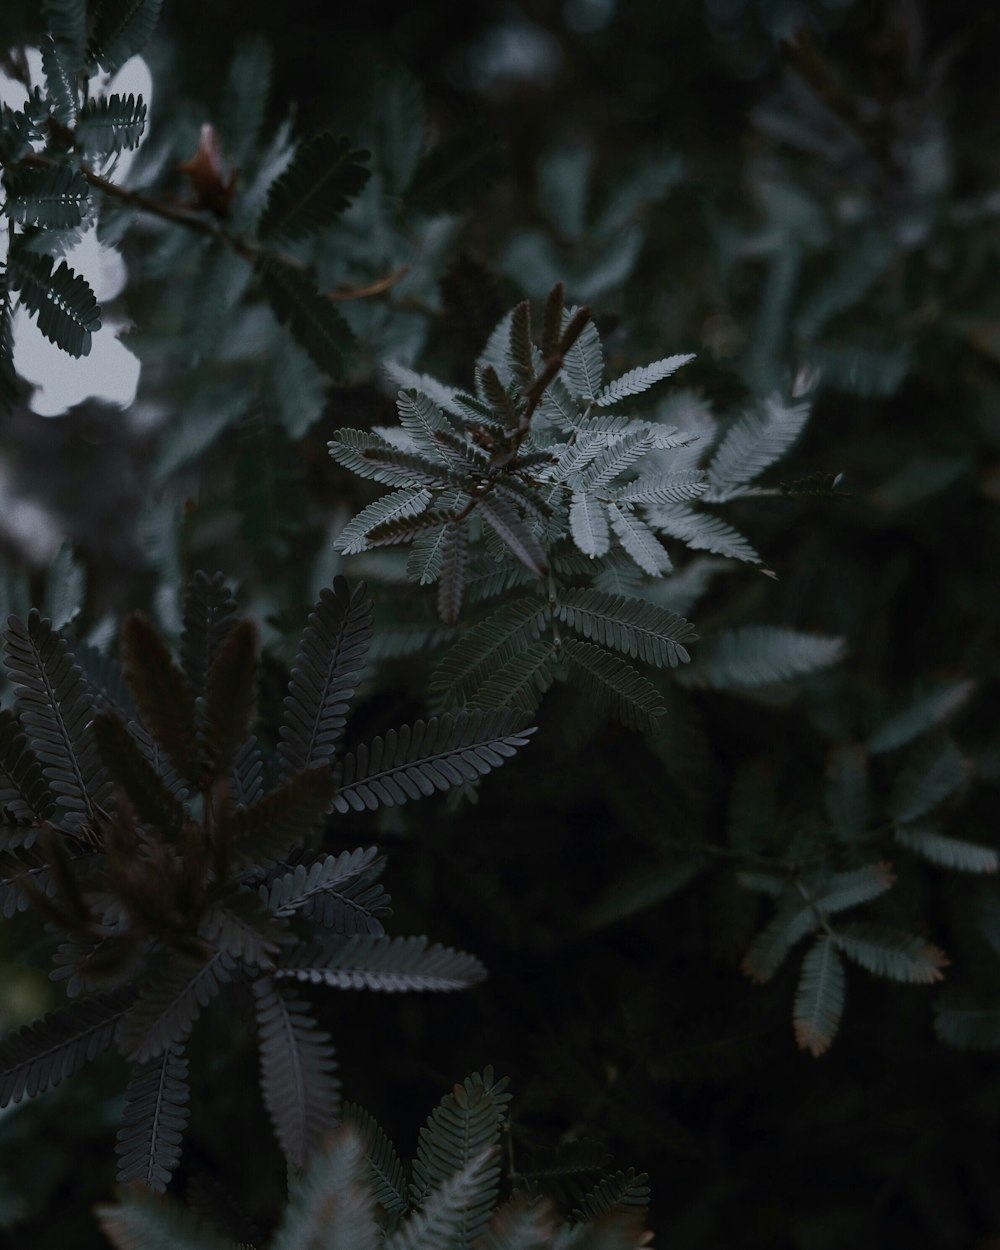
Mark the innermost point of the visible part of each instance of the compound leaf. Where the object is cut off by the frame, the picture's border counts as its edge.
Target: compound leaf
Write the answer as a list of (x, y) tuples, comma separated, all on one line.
[(633, 626), (892, 953), (388, 964), (638, 380), (326, 671), (62, 301), (434, 755), (324, 176), (54, 197), (819, 999), (40, 1055), (297, 1065), (109, 125), (312, 319), (148, 1146), (632, 699)]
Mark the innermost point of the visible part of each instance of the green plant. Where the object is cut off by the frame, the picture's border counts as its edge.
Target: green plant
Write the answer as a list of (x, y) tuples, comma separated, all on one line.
[(177, 860), (356, 1193)]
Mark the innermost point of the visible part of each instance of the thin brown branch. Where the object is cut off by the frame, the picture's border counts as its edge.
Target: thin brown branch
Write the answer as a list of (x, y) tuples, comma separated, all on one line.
[(373, 288)]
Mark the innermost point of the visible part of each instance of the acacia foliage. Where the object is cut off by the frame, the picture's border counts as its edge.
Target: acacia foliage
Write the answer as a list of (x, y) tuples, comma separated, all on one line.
[(179, 862)]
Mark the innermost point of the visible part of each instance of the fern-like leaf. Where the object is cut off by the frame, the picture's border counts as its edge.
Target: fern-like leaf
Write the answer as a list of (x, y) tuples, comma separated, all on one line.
[(923, 714), (238, 923), (391, 965), (385, 1170), (371, 456), (500, 515), (56, 707), (67, 24), (633, 626), (287, 817), (465, 1125), (324, 677), (155, 803), (520, 683), (756, 441), (621, 1192), (949, 852), (454, 564), (331, 1204), (156, 1113), (792, 920), (230, 705), (487, 646), (638, 380), (608, 680), (701, 531), (819, 999), (757, 655), (583, 364), (323, 178), (588, 525), (673, 488), (297, 1065), (433, 755), (843, 890), (398, 506), (892, 953), (161, 694), (639, 541), (121, 29), (168, 1006), (54, 197), (520, 1224), (40, 1055), (24, 792), (934, 771), (23, 872), (62, 301), (209, 613), (145, 1221), (110, 125), (441, 1220), (310, 316), (337, 891)]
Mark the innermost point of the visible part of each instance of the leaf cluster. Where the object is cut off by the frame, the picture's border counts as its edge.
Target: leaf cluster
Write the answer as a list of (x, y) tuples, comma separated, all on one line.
[(179, 862)]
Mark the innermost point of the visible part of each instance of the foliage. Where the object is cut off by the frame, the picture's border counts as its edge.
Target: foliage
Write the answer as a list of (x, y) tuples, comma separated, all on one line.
[(747, 872), (354, 1193), (163, 857)]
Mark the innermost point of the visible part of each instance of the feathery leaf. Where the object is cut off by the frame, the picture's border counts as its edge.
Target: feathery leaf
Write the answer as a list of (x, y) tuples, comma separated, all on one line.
[(466, 1124), (161, 694), (338, 891), (297, 1065), (756, 655), (168, 1006), (54, 197), (328, 667), (486, 646), (499, 514), (891, 953), (385, 1171), (638, 380), (121, 29), (633, 626), (588, 524), (62, 301), (632, 699), (433, 755), (639, 541), (756, 441), (391, 965), (397, 506), (156, 1113), (109, 125), (55, 707), (310, 316), (40, 1055), (948, 852), (322, 179), (924, 713), (819, 999)]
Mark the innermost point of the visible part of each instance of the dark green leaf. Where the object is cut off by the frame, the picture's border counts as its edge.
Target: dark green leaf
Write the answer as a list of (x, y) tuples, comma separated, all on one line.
[(323, 178)]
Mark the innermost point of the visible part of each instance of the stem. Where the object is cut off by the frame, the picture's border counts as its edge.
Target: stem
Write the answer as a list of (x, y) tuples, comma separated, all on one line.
[(200, 223)]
